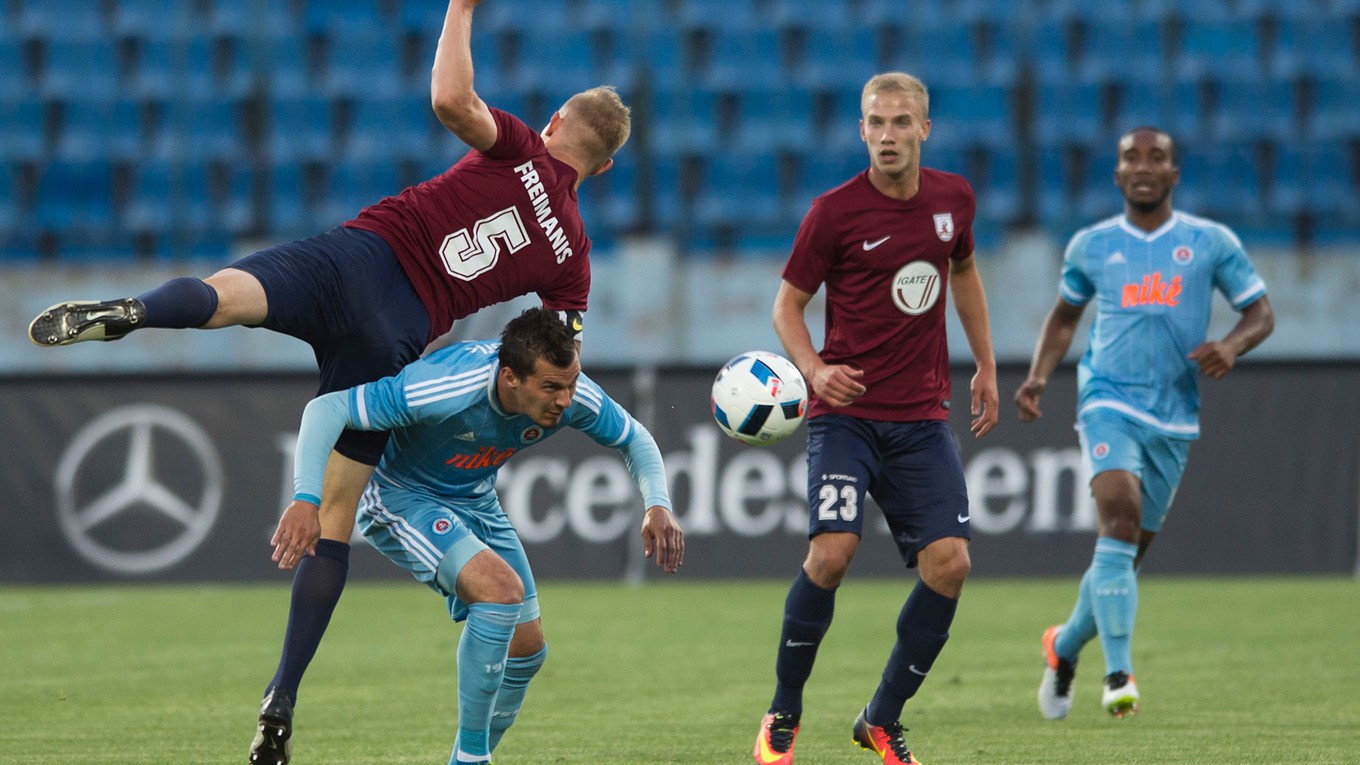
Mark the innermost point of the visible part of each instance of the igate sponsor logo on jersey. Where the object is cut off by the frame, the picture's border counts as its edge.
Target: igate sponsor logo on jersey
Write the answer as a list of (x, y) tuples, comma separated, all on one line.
[(1151, 291), (916, 287)]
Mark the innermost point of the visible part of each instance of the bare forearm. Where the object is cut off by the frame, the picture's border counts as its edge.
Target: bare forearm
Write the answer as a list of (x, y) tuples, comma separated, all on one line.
[(1255, 325), (970, 301), (1054, 340), (452, 97)]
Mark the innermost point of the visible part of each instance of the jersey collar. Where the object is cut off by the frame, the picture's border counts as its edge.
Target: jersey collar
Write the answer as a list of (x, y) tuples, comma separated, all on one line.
[(1148, 236)]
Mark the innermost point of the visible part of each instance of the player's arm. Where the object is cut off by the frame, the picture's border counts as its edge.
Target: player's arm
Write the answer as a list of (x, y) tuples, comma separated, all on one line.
[(970, 302), (1054, 339), (661, 534), (456, 104), (1217, 358), (837, 384), (299, 527)]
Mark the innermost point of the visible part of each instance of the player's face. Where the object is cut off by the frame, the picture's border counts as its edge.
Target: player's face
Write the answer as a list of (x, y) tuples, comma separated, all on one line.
[(893, 126), (1146, 171), (543, 395)]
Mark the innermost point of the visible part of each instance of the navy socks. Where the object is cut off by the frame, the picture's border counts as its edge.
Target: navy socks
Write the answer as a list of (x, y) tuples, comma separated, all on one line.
[(807, 616), (181, 303), (316, 589), (922, 629)]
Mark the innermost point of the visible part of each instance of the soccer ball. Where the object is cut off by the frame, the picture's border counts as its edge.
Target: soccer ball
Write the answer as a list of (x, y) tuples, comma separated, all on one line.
[(759, 398)]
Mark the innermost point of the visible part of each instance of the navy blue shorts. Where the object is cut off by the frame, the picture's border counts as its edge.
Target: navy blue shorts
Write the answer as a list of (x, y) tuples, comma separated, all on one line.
[(911, 469), (344, 293)]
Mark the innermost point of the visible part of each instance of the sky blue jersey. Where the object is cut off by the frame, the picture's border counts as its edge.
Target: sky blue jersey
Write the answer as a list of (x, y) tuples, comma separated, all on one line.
[(450, 435), (1153, 293)]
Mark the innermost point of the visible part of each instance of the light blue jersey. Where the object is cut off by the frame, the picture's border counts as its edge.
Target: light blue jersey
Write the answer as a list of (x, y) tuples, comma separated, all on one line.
[(1153, 294), (450, 435)]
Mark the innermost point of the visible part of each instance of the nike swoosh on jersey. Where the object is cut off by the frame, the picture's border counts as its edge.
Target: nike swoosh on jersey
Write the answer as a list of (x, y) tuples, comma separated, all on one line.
[(868, 245)]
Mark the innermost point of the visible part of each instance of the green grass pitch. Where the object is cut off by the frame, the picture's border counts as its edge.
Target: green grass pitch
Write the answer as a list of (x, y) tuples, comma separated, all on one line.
[(1239, 670)]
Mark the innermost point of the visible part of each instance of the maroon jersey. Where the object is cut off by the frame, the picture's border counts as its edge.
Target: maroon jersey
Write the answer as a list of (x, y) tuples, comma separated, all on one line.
[(498, 224), (885, 263)]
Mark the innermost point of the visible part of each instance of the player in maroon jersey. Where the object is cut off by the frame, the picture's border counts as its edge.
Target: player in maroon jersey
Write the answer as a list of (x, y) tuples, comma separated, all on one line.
[(370, 295), (885, 244)]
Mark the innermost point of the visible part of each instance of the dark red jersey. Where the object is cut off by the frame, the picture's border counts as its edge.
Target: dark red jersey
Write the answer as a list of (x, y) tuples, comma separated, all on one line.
[(498, 224), (885, 263)]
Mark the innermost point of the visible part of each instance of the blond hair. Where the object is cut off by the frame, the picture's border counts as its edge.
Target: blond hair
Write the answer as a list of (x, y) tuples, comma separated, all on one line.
[(608, 122), (897, 82)]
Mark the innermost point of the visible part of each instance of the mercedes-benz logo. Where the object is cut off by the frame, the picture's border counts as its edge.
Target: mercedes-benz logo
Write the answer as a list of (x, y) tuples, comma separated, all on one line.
[(138, 489)]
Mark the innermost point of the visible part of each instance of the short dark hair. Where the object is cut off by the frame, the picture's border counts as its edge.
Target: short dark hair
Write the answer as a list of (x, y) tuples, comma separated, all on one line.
[(536, 334), (1153, 129)]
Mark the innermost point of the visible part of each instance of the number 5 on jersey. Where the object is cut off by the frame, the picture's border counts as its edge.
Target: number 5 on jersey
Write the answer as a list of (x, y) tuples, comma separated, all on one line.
[(468, 257)]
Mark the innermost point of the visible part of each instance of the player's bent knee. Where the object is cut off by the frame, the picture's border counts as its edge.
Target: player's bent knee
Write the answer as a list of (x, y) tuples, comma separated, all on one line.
[(485, 578)]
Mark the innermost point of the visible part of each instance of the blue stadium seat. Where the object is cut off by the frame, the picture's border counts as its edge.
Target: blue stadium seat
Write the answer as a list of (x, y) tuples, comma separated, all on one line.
[(152, 198), (253, 19), (78, 65), (947, 55), (215, 198), (718, 15), (839, 57), (810, 16), (392, 128), (739, 59), (821, 171), (216, 67), (1317, 179), (550, 58), (205, 128), (100, 127), (292, 71), (288, 210), (300, 128), (670, 203), (10, 214), (972, 114), (618, 197), (1334, 114), (1114, 50), (1219, 49), (1312, 46), (323, 16), (60, 19), (75, 196), (22, 128), (738, 190), (613, 15), (1067, 111), (774, 118), (1221, 181), (144, 19), (13, 74), (1254, 108), (684, 121), (363, 62), (352, 185), (422, 18), (997, 186)]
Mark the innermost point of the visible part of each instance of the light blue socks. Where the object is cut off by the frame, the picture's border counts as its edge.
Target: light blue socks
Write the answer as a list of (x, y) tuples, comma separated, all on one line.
[(481, 669), (518, 672), (1107, 603)]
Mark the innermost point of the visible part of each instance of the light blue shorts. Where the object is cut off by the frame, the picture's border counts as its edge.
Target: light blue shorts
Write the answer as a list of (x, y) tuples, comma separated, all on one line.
[(419, 534), (1110, 441)]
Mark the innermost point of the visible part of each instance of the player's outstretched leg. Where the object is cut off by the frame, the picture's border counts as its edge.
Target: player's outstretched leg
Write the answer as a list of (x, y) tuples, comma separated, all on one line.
[(1055, 690), (1120, 697), (273, 744), (78, 320), (886, 741), (774, 742)]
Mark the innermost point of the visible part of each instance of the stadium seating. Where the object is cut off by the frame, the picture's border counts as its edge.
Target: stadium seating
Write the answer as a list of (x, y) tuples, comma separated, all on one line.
[(159, 113)]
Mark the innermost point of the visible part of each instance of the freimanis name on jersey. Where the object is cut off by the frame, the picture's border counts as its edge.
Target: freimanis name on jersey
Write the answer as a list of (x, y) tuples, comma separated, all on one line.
[(547, 219)]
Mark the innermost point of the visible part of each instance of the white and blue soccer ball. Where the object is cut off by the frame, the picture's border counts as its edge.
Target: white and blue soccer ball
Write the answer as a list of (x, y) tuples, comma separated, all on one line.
[(759, 398)]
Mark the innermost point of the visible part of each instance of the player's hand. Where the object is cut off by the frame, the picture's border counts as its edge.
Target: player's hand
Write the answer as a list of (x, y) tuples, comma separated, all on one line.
[(985, 402), (837, 384), (1027, 399), (663, 539), (298, 532), (1215, 360)]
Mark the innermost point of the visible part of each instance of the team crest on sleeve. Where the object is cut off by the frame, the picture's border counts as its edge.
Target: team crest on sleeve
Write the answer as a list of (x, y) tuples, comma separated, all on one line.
[(1100, 451), (530, 434), (442, 526), (944, 226), (1183, 255), (916, 287)]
